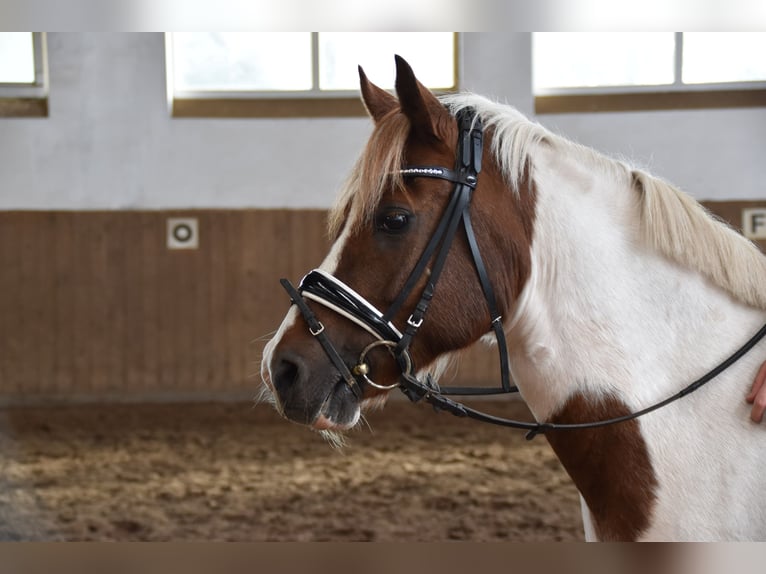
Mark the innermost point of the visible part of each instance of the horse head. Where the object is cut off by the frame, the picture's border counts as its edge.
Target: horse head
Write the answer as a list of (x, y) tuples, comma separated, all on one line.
[(384, 226)]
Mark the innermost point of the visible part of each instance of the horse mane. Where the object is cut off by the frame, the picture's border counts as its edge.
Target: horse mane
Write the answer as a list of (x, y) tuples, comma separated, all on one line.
[(683, 230), (670, 221)]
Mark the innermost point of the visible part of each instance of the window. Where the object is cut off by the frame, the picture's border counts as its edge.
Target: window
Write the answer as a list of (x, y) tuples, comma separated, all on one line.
[(636, 70), (23, 75), (283, 74), (723, 57)]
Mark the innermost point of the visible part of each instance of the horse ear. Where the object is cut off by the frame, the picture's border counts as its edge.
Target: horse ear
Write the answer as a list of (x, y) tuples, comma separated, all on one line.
[(418, 103), (377, 100)]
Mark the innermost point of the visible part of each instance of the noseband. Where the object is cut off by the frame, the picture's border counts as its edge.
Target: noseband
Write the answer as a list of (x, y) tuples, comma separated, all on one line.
[(328, 291)]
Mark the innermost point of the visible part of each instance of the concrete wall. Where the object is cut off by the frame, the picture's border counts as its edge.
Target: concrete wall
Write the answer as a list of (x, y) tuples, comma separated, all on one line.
[(109, 142)]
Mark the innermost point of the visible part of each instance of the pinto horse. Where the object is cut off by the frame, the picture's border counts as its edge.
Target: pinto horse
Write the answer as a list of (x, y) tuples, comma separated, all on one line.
[(607, 289)]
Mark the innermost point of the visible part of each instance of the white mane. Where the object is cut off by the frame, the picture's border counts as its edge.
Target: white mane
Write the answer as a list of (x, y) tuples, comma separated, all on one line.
[(671, 222)]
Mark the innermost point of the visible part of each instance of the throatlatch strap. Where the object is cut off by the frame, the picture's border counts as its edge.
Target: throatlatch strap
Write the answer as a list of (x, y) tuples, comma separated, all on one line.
[(495, 321)]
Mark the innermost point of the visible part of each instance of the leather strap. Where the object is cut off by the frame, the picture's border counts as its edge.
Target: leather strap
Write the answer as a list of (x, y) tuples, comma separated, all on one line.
[(496, 323), (316, 328), (417, 389)]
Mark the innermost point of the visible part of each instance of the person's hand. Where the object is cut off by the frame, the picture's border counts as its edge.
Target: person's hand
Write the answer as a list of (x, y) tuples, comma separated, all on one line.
[(757, 396)]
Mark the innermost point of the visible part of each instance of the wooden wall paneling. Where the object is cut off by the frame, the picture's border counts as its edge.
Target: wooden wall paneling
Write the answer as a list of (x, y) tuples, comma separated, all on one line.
[(220, 316), (8, 300), (216, 236), (150, 235), (268, 255), (130, 278), (99, 336), (27, 375), (168, 299), (273, 248), (118, 233), (197, 316), (44, 337), (19, 337), (478, 365), (15, 317), (257, 256), (181, 285), (82, 300), (15, 310), (190, 288), (276, 244), (5, 294), (61, 377), (317, 226), (235, 357), (299, 243)]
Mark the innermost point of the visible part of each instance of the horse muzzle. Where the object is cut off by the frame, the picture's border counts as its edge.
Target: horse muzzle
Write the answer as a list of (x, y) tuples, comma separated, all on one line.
[(315, 396)]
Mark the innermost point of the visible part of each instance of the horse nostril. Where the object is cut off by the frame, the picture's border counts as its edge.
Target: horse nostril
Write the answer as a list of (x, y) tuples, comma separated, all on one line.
[(287, 373)]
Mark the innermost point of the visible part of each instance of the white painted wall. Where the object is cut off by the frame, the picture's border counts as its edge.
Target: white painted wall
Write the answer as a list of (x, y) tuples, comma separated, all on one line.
[(110, 144)]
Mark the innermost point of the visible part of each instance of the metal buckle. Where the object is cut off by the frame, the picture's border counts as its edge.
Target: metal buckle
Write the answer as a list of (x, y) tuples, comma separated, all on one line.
[(319, 330), (415, 325)]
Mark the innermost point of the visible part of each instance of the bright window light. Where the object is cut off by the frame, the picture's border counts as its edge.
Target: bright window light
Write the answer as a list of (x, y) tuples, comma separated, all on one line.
[(724, 57), (17, 58), (575, 59), (430, 53), (305, 61), (241, 61)]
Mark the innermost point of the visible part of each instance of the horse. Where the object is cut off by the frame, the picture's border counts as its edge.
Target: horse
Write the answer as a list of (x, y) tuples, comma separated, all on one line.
[(606, 288)]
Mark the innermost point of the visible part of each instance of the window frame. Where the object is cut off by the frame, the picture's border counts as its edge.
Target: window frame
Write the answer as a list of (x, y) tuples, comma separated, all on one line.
[(675, 96), (28, 100), (314, 103)]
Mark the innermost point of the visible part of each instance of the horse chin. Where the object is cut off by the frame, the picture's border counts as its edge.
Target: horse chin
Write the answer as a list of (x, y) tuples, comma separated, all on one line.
[(334, 434), (340, 411), (333, 431), (322, 423)]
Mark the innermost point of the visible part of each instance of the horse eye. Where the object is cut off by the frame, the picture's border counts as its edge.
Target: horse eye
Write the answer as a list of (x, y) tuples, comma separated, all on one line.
[(394, 221)]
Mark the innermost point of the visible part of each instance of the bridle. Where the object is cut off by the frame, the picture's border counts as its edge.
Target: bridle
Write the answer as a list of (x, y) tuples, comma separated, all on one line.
[(328, 291), (323, 288)]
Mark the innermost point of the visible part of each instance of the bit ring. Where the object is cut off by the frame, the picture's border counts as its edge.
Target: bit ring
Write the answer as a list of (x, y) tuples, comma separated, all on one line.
[(362, 369)]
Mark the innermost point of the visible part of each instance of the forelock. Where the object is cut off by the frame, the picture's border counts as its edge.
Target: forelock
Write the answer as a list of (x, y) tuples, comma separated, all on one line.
[(376, 171)]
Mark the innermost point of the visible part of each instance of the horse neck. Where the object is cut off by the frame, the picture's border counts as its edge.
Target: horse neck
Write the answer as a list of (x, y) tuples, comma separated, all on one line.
[(601, 314)]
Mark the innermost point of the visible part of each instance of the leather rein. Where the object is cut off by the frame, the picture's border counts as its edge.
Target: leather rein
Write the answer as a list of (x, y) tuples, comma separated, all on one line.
[(328, 291)]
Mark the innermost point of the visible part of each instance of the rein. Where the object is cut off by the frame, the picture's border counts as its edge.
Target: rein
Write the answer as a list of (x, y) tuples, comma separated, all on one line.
[(330, 292)]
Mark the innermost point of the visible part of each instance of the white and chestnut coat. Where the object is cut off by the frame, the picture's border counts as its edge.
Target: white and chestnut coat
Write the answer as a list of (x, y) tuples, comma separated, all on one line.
[(616, 290)]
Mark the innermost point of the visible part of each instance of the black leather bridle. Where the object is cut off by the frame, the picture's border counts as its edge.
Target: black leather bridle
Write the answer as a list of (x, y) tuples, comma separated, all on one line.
[(323, 288), (330, 292)]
